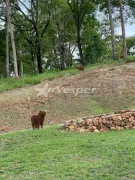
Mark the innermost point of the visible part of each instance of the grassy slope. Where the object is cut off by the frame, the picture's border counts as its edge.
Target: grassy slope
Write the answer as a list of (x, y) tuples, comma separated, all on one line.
[(14, 112), (12, 83), (53, 154)]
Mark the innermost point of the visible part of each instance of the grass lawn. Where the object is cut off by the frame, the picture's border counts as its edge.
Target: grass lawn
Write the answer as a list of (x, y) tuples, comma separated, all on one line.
[(52, 154)]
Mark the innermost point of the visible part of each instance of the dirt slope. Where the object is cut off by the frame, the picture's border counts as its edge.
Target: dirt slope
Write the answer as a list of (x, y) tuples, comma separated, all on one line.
[(110, 88)]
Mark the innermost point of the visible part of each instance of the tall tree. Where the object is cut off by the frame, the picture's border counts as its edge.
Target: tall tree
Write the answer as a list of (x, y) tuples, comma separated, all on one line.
[(79, 9), (7, 48), (114, 50), (8, 14), (38, 24), (124, 51)]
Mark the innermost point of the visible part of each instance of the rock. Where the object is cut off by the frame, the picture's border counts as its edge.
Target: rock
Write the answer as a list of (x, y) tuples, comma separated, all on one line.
[(113, 129), (125, 120), (100, 121), (123, 123), (84, 123), (96, 130), (75, 124), (90, 120), (101, 130), (91, 129), (108, 124), (120, 118), (118, 128), (125, 116), (104, 121), (80, 125), (133, 123), (94, 127), (71, 128), (99, 127), (115, 118), (133, 113), (118, 123), (68, 123), (104, 128), (110, 117), (79, 120), (131, 118), (129, 124), (87, 122), (82, 130), (113, 124), (95, 122)]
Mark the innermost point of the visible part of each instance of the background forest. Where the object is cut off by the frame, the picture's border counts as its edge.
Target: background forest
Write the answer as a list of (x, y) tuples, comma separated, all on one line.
[(42, 35)]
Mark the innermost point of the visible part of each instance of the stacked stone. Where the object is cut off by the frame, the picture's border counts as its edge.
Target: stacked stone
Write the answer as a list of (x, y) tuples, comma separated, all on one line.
[(121, 120)]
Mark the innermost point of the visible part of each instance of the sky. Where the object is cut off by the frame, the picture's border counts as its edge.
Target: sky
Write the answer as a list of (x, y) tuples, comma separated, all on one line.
[(129, 29)]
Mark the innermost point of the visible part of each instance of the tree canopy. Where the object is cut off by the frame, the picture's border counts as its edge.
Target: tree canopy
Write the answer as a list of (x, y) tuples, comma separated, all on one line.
[(57, 34)]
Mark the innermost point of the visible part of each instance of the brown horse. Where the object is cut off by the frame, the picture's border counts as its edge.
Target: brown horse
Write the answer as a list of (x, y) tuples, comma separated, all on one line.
[(80, 68), (38, 120)]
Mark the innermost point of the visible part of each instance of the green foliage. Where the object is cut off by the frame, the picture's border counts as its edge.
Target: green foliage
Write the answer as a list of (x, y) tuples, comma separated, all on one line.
[(131, 45), (94, 49), (58, 40)]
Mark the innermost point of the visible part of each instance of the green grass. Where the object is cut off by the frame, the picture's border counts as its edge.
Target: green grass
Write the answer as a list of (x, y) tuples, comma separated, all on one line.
[(12, 83), (130, 58), (52, 154)]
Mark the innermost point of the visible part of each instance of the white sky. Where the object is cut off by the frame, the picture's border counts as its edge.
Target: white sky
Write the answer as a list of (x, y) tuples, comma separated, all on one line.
[(130, 30)]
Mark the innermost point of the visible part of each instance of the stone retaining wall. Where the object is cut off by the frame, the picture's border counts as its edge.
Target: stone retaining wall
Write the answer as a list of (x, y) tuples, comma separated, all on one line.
[(121, 120)]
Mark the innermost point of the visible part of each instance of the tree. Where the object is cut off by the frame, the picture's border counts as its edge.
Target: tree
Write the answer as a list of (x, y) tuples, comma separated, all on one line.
[(8, 15), (124, 51), (114, 51), (79, 9), (130, 45), (37, 23), (7, 48), (2, 52), (62, 33)]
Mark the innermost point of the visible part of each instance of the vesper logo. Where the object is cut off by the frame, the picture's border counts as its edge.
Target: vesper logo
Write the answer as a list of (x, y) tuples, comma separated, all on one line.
[(45, 90)]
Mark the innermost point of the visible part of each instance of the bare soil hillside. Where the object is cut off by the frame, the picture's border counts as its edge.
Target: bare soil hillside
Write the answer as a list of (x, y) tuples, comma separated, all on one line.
[(102, 90)]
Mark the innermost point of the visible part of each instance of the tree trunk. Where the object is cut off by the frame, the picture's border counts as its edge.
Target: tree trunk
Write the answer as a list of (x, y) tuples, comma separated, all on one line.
[(55, 55), (62, 56), (80, 46), (39, 60), (7, 49), (21, 68), (70, 59), (124, 52), (114, 51), (33, 60), (12, 37), (38, 53), (78, 16)]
